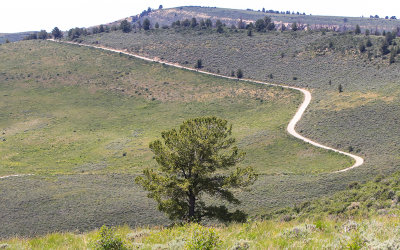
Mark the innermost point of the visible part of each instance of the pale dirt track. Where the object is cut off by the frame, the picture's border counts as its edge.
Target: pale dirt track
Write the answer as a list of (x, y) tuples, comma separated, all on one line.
[(292, 124), (14, 175)]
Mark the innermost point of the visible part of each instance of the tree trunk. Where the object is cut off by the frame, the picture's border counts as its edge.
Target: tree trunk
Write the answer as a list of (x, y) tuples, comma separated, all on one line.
[(192, 203)]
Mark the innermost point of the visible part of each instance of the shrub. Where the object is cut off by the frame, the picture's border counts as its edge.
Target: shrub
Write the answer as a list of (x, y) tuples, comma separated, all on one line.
[(362, 48), (107, 239), (356, 242), (340, 88), (239, 73), (202, 238), (199, 64), (249, 32), (241, 245), (392, 56), (369, 43)]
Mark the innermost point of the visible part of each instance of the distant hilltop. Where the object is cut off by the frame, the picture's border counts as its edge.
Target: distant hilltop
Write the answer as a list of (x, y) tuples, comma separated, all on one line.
[(233, 16)]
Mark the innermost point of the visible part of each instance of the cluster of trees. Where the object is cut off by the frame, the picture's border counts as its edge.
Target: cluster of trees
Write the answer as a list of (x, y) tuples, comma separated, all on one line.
[(265, 24), (261, 25), (287, 12), (283, 12), (127, 27), (386, 17), (387, 46), (75, 33), (56, 33), (193, 23), (368, 32), (144, 13), (102, 28)]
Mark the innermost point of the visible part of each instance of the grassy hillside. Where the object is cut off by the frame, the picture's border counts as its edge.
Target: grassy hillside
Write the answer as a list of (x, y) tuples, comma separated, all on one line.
[(364, 216), (360, 119), (81, 119), (232, 16)]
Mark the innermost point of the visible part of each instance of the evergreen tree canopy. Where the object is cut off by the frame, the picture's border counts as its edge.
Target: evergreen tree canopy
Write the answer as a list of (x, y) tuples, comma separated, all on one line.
[(208, 23), (146, 24), (57, 34), (294, 27), (193, 161), (358, 30), (193, 23), (260, 25), (42, 35), (126, 26)]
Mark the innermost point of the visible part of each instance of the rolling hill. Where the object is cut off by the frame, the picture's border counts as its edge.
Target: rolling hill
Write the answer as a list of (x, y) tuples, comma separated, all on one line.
[(13, 37), (232, 17), (81, 119), (359, 119)]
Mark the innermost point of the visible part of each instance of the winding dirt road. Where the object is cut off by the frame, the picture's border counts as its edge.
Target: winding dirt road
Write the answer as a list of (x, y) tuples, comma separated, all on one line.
[(292, 124)]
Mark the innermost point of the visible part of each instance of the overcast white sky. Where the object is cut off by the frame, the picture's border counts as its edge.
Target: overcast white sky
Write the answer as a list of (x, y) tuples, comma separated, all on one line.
[(29, 15)]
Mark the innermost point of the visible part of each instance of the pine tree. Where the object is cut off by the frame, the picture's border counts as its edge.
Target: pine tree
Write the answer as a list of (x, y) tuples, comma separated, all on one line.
[(219, 25), (43, 35), (125, 26), (56, 32), (358, 30), (208, 23), (146, 24), (385, 48), (199, 64), (193, 23), (362, 48), (239, 73), (190, 161), (260, 25), (294, 27)]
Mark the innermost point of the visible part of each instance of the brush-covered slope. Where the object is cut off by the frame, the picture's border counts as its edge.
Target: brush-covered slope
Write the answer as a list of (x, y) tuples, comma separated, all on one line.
[(362, 119), (81, 119), (363, 217)]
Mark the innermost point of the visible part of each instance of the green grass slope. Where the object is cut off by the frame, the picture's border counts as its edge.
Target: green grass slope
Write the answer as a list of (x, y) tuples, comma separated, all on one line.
[(81, 119)]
